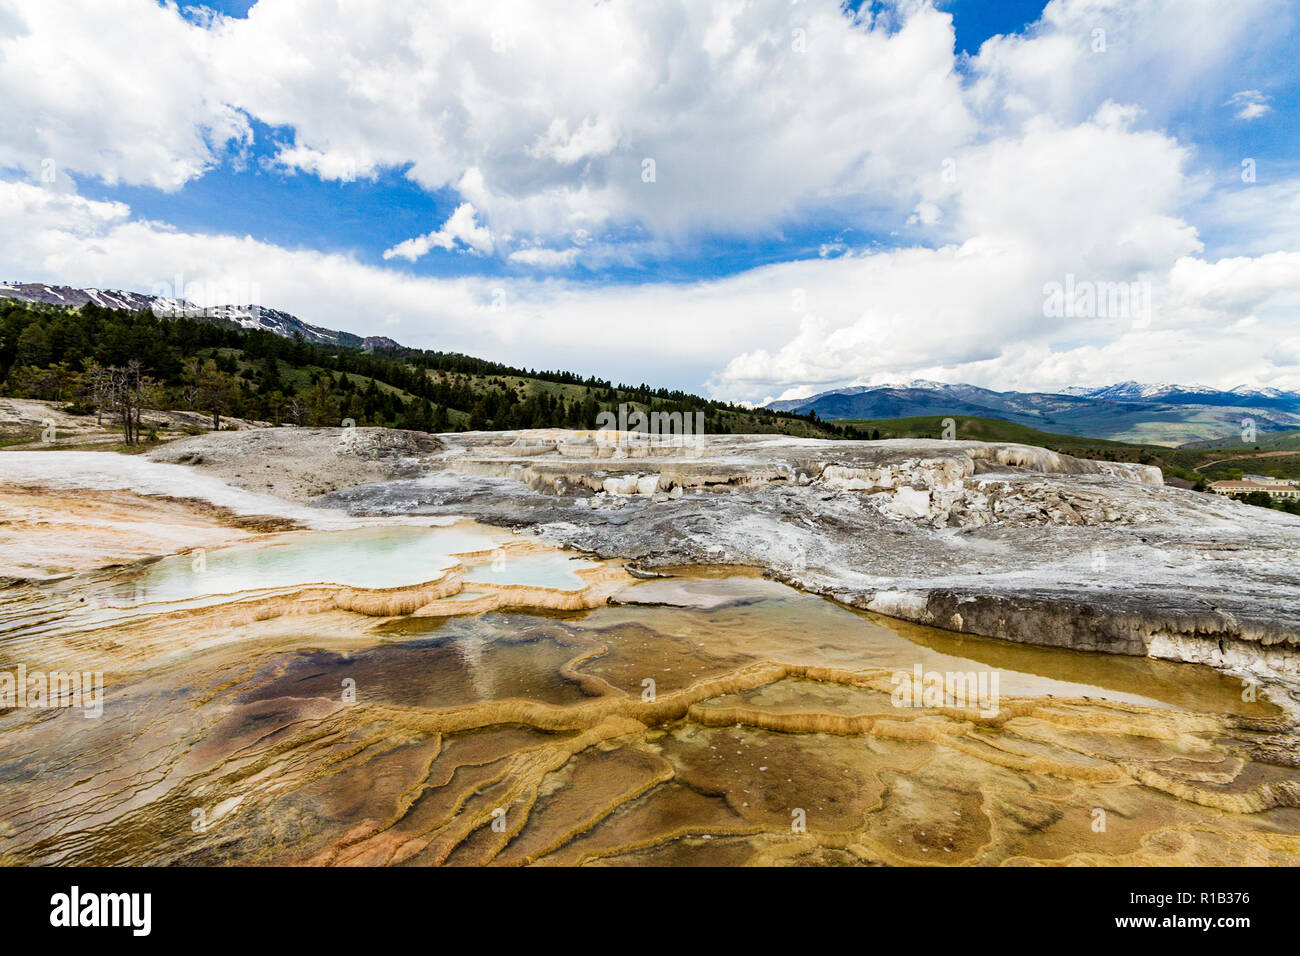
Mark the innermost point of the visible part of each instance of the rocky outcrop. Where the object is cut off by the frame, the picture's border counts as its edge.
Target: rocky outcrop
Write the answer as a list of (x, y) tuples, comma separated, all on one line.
[(1023, 543), (298, 464), (999, 540), (934, 483), (1200, 634)]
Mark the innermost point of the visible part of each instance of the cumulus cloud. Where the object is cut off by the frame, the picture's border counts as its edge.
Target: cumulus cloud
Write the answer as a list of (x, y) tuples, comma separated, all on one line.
[(1233, 287), (1092, 202), (1082, 52), (753, 114), (114, 89), (593, 137), (461, 230), (333, 166)]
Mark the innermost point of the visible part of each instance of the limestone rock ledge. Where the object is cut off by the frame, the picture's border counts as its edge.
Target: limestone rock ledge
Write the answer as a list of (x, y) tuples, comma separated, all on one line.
[(927, 480), (996, 539), (1000, 540), (1203, 635)]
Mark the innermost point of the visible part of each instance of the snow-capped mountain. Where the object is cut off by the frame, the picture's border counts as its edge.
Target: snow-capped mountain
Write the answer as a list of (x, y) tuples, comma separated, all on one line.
[(245, 316), (1181, 394), (1128, 411), (75, 298), (1250, 391), (921, 383), (1139, 392)]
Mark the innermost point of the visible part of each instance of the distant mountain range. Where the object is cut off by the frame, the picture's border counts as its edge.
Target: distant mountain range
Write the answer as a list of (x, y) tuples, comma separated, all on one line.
[(1129, 411), (1185, 394), (244, 316)]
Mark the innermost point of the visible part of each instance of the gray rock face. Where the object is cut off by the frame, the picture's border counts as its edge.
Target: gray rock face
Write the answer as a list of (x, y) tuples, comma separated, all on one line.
[(1001, 540), (299, 464)]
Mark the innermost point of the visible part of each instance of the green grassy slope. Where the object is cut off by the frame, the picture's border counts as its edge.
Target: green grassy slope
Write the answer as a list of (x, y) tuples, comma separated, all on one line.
[(978, 429), (1267, 441)]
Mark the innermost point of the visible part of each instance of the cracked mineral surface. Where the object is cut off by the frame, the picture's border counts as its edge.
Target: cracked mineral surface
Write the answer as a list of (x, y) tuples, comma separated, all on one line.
[(556, 648)]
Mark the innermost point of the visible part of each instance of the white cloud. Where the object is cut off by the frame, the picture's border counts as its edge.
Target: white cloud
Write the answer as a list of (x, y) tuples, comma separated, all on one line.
[(53, 213), (971, 311), (1236, 286), (119, 90), (543, 124), (545, 258), (1094, 201), (1082, 52), (1251, 104), (461, 227), (341, 168), (592, 138), (1286, 353)]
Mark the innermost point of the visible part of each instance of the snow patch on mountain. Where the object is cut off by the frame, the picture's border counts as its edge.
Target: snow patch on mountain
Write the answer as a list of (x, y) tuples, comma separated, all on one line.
[(244, 316)]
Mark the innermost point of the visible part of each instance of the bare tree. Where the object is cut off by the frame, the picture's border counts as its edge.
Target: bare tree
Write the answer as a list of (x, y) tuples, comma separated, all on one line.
[(294, 407), (127, 392), (96, 386)]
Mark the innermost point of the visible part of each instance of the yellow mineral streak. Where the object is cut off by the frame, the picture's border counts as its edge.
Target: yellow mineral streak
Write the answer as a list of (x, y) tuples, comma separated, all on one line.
[(46, 532), (231, 734)]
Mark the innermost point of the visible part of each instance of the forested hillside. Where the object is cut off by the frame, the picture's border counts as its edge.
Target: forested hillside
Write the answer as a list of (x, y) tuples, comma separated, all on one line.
[(119, 363)]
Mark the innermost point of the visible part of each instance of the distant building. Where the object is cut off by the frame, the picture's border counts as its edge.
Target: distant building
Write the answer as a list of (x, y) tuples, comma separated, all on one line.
[(1274, 487), (1269, 480)]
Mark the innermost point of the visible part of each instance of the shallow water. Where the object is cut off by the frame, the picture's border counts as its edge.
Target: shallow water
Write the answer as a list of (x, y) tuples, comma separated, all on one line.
[(541, 570), (474, 662), (699, 719), (759, 616), (386, 557)]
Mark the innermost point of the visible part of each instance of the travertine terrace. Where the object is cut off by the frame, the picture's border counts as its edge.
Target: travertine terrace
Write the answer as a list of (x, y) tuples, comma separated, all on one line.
[(605, 664), (1000, 540)]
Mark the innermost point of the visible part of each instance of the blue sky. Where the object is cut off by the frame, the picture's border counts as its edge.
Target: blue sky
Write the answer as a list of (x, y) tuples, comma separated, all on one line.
[(249, 194), (841, 194), (975, 21)]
